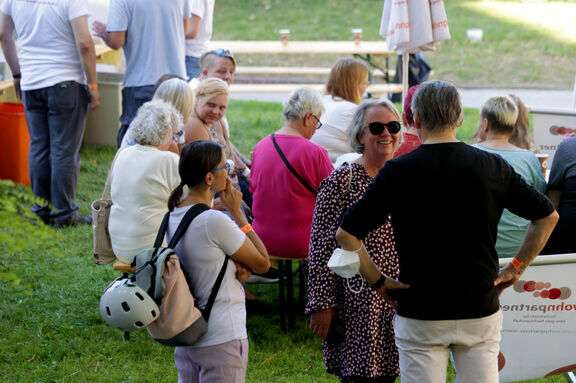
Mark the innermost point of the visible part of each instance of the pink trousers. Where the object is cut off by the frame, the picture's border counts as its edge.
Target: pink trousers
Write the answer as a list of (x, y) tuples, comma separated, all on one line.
[(220, 363)]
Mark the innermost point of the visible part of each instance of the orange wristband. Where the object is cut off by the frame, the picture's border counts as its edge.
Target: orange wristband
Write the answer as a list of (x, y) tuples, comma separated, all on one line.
[(245, 229), (519, 265), (94, 86)]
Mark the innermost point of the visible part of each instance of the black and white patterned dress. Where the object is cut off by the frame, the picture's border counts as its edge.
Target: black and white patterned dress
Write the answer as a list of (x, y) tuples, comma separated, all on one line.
[(369, 349)]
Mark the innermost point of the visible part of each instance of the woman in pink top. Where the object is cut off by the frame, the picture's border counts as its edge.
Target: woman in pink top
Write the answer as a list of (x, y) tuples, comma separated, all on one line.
[(282, 204)]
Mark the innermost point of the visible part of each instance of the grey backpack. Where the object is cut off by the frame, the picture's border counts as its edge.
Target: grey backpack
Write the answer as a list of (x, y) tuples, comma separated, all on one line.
[(158, 273)]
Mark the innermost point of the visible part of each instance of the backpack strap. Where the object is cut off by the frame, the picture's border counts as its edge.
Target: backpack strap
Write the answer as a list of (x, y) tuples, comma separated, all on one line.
[(206, 311), (182, 227)]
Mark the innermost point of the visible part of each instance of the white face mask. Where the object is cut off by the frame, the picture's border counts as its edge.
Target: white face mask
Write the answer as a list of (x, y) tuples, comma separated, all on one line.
[(344, 263)]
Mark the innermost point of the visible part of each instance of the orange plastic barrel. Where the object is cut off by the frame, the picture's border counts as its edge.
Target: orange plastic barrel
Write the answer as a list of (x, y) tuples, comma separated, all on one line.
[(14, 143)]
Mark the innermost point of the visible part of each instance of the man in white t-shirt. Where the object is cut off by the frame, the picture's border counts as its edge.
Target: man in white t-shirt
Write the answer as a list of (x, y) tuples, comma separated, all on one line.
[(151, 32), (198, 35), (54, 59)]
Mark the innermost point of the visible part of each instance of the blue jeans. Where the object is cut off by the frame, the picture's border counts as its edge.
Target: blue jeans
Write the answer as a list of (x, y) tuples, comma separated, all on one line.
[(193, 69), (132, 99), (56, 118)]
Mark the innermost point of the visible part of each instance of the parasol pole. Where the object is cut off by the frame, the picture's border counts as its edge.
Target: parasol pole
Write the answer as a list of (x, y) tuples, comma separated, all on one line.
[(405, 61)]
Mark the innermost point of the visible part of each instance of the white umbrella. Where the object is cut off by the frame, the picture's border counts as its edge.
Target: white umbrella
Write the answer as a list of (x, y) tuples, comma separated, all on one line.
[(412, 25)]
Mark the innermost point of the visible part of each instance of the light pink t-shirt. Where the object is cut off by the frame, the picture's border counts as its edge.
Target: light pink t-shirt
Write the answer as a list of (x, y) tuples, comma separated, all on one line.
[(282, 206)]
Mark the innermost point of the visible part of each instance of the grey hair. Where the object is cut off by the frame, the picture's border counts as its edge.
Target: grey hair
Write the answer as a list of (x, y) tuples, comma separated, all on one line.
[(302, 100), (502, 113), (155, 123), (438, 104), (358, 121)]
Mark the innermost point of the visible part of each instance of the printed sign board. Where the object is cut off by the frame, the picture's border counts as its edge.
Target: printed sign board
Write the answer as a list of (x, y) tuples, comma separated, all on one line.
[(539, 325), (551, 126)]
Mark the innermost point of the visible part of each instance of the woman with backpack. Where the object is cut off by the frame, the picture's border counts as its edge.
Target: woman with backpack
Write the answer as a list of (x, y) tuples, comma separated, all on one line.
[(212, 239)]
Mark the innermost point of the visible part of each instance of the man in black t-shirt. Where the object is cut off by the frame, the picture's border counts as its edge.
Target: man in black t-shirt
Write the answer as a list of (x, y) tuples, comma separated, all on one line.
[(445, 199)]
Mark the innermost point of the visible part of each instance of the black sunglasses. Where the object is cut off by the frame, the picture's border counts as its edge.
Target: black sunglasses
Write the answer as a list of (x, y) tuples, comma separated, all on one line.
[(376, 128)]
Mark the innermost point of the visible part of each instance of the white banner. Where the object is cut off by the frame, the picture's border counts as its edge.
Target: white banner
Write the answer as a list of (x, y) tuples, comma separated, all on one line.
[(539, 325), (551, 126)]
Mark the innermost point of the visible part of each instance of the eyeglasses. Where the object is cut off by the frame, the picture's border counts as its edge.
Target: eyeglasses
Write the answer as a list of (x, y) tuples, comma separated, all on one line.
[(178, 137), (223, 52), (318, 124), (377, 128), (227, 167)]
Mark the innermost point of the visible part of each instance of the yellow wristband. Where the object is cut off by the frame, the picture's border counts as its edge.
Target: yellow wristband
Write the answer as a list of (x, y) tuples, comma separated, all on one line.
[(518, 265), (245, 229), (94, 86)]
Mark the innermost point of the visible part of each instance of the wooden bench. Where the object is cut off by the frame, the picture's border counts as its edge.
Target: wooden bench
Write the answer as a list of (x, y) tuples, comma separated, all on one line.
[(296, 71), (122, 266), (376, 90)]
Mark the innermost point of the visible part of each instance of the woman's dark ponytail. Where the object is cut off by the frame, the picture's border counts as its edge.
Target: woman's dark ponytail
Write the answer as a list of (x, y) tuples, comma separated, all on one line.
[(175, 196), (196, 160)]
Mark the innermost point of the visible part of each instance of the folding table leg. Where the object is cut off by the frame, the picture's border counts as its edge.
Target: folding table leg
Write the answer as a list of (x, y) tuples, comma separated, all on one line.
[(302, 290), (282, 281), (290, 294)]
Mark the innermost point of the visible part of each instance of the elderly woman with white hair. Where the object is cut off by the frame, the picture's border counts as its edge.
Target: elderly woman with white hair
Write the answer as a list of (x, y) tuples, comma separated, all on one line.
[(283, 200), (143, 176), (177, 92), (363, 350)]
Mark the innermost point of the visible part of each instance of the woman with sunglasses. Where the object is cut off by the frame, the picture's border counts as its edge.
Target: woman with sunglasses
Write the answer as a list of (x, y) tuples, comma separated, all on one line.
[(366, 352), (221, 355), (345, 88)]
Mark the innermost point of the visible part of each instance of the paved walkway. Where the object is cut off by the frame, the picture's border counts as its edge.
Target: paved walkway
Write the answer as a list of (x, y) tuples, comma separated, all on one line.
[(471, 98)]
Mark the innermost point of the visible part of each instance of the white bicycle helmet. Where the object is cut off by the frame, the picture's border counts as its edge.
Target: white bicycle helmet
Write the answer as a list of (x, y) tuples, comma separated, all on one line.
[(126, 306)]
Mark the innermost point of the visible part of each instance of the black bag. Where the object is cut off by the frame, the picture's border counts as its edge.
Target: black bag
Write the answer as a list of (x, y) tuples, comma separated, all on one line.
[(418, 72)]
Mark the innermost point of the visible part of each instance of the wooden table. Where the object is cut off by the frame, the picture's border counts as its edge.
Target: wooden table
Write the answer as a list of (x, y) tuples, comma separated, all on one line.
[(369, 51)]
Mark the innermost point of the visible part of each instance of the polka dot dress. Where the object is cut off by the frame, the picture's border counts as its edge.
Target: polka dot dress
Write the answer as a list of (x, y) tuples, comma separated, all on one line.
[(369, 348)]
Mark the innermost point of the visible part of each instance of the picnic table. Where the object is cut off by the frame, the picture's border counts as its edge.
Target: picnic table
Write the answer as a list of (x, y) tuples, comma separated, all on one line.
[(374, 53)]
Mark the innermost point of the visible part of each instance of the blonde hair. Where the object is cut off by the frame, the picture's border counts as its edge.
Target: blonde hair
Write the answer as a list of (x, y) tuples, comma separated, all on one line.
[(501, 112), (345, 79), (210, 88), (179, 93), (520, 137)]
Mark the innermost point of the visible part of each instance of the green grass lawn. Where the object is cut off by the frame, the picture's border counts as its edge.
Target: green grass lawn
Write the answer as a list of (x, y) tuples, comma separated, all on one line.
[(526, 43), (50, 326)]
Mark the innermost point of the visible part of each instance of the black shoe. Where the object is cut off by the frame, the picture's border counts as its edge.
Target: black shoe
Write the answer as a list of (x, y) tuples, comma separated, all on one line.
[(48, 219), (271, 276), (44, 213), (76, 219)]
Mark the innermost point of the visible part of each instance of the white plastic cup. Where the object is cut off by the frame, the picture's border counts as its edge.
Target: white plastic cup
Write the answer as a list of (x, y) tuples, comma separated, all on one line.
[(475, 35), (284, 36), (357, 35), (543, 158)]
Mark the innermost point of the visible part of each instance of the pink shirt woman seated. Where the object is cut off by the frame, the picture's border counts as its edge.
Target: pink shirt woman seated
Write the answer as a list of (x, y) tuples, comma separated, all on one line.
[(282, 205)]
